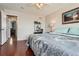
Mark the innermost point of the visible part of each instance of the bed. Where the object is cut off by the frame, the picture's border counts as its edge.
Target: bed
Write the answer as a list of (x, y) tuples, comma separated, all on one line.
[(54, 44)]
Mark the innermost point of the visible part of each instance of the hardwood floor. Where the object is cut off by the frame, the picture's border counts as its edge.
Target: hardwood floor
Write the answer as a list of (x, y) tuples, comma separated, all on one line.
[(18, 48)]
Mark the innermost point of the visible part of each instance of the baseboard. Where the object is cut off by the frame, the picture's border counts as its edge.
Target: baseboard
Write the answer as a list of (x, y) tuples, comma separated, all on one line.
[(22, 40)]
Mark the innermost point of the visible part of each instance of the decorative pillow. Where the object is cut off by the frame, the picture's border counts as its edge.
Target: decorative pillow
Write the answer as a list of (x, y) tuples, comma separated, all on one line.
[(74, 30), (62, 30)]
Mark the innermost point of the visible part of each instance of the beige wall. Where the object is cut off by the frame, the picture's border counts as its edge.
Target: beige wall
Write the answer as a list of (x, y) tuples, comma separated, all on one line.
[(57, 16)]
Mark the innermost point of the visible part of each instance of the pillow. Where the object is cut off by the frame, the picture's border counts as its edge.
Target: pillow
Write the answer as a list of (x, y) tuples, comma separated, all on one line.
[(62, 30), (74, 30)]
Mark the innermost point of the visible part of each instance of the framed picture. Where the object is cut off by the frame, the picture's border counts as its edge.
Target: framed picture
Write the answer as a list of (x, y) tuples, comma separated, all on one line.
[(71, 16), (37, 26)]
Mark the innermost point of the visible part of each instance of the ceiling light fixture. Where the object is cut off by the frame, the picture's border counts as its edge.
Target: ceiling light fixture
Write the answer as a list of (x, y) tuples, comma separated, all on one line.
[(40, 5)]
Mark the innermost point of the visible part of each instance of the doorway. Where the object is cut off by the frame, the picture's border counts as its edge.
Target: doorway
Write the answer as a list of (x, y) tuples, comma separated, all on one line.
[(12, 27)]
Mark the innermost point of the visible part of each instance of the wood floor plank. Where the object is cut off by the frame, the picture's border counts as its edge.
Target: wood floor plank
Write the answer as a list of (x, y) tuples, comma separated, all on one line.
[(18, 48)]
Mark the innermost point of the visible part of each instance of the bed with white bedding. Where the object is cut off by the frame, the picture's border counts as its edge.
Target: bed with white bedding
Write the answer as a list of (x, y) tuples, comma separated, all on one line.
[(55, 44)]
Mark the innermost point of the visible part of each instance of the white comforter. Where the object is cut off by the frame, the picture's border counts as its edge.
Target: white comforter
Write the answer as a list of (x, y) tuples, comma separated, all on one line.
[(54, 44)]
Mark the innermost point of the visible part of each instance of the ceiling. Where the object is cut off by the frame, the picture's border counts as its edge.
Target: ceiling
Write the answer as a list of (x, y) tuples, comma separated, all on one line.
[(31, 9)]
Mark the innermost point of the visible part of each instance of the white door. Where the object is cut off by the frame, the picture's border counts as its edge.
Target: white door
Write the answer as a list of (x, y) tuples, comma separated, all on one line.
[(3, 27)]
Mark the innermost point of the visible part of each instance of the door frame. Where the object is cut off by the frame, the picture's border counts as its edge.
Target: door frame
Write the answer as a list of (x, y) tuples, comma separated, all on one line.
[(16, 22), (0, 28)]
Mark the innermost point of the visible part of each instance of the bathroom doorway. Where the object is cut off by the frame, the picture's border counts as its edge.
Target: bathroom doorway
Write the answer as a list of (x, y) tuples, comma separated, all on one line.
[(11, 27)]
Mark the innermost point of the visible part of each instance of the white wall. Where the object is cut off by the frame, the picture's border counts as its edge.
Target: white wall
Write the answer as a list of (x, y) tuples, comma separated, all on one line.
[(57, 16), (25, 23)]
